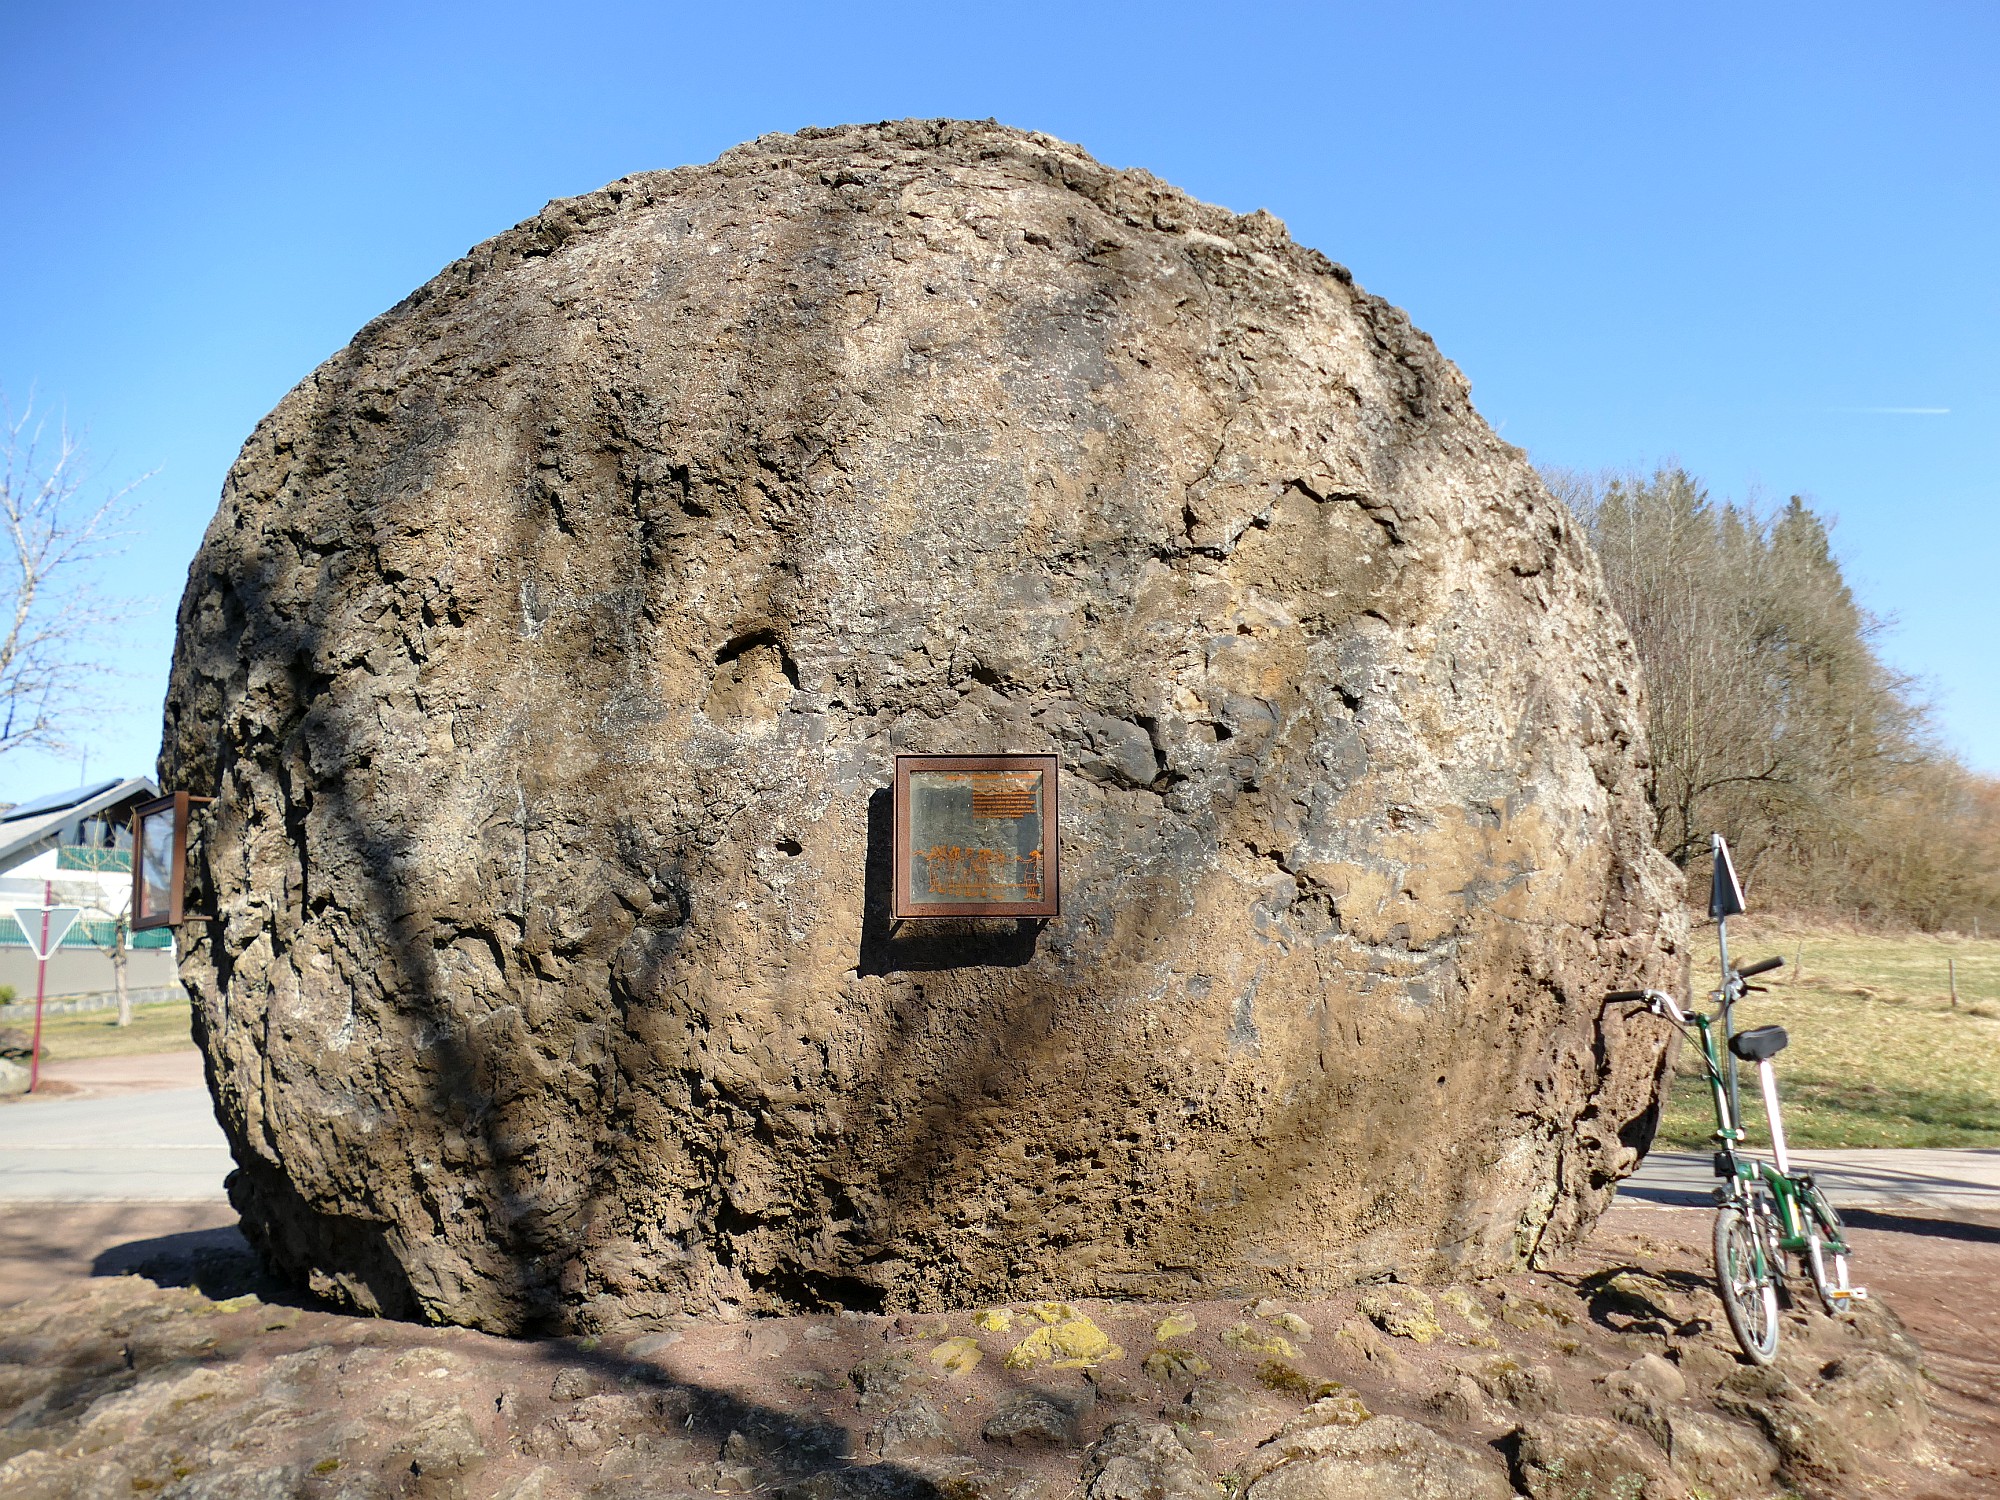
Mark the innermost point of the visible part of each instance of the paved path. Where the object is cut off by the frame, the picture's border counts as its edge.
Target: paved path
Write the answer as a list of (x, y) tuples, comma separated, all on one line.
[(136, 1074), (1967, 1179), (144, 1133), (157, 1146)]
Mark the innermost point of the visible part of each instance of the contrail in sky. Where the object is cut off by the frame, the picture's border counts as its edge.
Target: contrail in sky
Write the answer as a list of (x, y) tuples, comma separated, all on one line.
[(1898, 411)]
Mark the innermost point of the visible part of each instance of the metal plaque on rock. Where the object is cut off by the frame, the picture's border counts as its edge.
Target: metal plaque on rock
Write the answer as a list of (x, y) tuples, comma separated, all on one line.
[(976, 836)]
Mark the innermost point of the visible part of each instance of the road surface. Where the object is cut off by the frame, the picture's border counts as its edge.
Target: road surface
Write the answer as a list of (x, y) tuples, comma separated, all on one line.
[(1967, 1179), (146, 1134), (158, 1146)]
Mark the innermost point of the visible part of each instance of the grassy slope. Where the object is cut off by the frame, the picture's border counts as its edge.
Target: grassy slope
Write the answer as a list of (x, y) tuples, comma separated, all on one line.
[(96, 1033), (1877, 1057)]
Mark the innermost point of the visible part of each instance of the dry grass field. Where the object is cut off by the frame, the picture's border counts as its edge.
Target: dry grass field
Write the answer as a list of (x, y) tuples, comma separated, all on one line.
[(1879, 1056), (96, 1033)]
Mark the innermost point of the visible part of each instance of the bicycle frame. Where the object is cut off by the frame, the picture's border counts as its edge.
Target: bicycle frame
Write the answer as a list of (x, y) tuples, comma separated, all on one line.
[(1777, 1176)]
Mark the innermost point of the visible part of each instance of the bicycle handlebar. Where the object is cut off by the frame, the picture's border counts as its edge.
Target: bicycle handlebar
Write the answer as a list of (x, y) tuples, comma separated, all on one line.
[(1657, 1001), (1762, 966)]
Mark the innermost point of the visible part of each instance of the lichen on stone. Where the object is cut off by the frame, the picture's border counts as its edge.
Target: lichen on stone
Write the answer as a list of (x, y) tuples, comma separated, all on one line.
[(1252, 1339), (1404, 1312), (1076, 1343)]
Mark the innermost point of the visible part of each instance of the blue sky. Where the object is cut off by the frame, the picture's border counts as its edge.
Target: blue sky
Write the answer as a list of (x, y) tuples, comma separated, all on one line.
[(1760, 239)]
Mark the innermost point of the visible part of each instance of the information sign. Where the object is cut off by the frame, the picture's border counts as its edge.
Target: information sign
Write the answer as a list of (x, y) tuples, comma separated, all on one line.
[(976, 836)]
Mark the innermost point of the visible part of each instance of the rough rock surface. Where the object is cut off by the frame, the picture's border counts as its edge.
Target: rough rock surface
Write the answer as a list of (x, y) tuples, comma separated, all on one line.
[(113, 1386), (547, 656)]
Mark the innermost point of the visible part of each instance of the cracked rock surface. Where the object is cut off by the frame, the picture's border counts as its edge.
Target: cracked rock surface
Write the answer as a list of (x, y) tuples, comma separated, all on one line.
[(547, 658)]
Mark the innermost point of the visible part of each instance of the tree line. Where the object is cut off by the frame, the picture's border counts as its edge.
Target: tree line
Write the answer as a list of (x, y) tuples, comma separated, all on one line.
[(1773, 718)]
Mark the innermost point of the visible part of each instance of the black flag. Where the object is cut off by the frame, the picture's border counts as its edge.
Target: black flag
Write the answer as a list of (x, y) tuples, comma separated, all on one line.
[(1725, 892)]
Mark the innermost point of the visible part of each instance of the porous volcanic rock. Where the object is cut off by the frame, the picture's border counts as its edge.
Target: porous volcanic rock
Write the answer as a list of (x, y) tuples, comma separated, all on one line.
[(547, 656)]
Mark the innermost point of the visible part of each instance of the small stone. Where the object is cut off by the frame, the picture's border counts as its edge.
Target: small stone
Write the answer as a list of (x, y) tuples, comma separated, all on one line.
[(995, 1319), (879, 1380), (1402, 1312), (911, 1429), (1031, 1420), (1564, 1458), (1113, 1387), (1532, 1314), (1366, 1342), (445, 1443), (1460, 1300), (1174, 1326), (1254, 1340), (1383, 1458), (1720, 1456), (1334, 1405), (1174, 1364), (1461, 1402), (731, 1479), (1292, 1323), (1074, 1344), (957, 1356), (1530, 1388), (1137, 1460), (574, 1382), (1224, 1408), (1651, 1373)]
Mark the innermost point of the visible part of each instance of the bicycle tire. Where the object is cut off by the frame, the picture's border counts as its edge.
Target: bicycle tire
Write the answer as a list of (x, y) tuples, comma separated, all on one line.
[(1749, 1300), (1827, 1269)]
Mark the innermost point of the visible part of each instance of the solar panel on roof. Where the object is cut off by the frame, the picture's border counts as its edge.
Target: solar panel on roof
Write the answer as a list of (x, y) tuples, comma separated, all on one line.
[(56, 801)]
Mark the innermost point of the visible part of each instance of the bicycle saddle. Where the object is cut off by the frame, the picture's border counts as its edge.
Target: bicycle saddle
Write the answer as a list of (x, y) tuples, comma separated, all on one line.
[(1759, 1043)]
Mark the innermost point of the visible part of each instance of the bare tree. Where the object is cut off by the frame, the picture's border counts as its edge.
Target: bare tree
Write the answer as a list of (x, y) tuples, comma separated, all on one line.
[(1771, 715), (53, 609), (108, 924)]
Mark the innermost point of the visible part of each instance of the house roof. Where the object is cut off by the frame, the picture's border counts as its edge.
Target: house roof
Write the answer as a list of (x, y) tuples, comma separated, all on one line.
[(40, 823)]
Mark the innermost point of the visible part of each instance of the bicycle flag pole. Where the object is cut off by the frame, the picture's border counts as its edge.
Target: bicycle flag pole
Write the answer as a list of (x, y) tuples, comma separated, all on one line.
[(1725, 900), (44, 927)]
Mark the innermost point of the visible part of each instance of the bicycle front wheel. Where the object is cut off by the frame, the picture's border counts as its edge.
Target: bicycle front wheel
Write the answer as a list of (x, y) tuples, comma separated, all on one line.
[(1748, 1285)]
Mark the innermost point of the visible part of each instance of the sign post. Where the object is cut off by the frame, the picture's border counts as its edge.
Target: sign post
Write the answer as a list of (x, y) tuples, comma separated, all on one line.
[(44, 927)]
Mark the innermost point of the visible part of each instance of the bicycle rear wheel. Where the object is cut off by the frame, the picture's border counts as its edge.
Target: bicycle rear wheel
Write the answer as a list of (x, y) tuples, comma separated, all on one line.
[(1747, 1284)]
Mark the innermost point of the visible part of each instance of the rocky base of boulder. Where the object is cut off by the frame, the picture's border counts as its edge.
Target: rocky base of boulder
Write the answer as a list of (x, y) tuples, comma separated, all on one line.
[(1612, 1376)]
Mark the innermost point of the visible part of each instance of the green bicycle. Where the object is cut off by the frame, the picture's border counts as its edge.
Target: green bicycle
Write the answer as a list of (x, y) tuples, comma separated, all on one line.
[(1764, 1209)]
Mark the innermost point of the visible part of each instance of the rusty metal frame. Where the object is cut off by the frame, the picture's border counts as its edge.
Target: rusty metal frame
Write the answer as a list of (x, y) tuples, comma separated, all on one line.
[(903, 909)]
